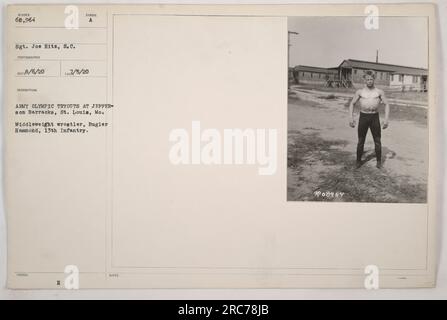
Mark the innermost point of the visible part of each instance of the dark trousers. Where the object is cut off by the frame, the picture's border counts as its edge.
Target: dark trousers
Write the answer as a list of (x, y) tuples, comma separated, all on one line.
[(369, 121)]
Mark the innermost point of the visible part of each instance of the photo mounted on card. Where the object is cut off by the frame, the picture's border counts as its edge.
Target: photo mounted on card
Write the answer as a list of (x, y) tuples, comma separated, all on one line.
[(220, 146), (358, 109)]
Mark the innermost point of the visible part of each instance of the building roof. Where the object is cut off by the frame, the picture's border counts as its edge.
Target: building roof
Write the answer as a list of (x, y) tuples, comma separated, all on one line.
[(314, 69), (392, 68)]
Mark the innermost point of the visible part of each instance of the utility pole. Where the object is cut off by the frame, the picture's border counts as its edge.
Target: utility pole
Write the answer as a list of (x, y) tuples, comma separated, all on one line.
[(377, 56), (288, 54)]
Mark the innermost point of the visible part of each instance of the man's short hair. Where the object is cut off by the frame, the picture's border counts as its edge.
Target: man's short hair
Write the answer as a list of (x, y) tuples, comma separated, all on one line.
[(371, 73)]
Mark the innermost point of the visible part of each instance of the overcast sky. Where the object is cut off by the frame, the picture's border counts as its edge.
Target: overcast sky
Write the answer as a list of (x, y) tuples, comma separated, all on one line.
[(326, 41)]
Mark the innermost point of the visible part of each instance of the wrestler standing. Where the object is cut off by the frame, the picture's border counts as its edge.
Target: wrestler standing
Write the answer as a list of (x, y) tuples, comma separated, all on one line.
[(370, 99)]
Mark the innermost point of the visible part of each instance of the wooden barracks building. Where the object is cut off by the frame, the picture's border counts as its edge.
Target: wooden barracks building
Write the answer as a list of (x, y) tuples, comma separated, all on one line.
[(350, 74)]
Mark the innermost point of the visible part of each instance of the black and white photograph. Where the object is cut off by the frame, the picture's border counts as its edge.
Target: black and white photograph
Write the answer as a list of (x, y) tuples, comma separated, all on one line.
[(147, 149), (357, 109)]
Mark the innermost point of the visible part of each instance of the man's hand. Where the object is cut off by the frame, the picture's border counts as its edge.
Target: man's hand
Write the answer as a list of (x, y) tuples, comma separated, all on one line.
[(385, 124), (352, 123)]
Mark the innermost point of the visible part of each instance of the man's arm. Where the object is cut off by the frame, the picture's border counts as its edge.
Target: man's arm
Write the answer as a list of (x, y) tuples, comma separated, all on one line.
[(387, 108), (351, 108)]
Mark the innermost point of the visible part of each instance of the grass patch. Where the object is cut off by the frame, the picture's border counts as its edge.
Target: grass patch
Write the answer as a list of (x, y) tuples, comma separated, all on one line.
[(328, 97), (315, 164)]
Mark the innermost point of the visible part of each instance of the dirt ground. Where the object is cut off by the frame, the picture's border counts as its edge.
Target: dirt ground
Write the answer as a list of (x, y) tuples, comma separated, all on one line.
[(322, 146)]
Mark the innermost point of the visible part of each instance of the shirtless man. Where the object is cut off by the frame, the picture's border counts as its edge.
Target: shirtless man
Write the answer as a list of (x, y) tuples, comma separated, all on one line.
[(370, 98)]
